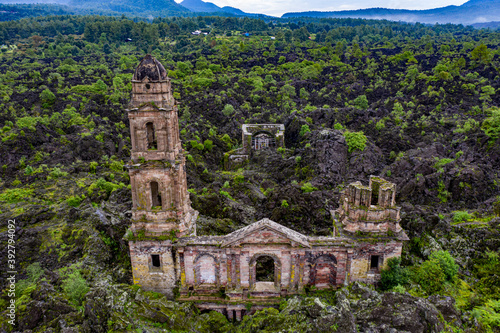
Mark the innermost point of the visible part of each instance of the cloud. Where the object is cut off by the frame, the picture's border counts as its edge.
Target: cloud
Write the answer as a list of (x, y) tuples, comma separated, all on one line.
[(279, 7)]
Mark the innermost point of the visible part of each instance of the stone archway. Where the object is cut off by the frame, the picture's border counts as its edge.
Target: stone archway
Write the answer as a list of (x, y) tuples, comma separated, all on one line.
[(323, 271), (254, 283), (206, 269), (263, 140)]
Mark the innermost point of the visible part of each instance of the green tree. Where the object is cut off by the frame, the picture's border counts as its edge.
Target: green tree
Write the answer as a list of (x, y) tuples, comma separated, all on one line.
[(48, 98), (430, 276), (394, 275), (355, 141), (228, 110), (361, 102), (481, 54), (447, 263), (304, 129)]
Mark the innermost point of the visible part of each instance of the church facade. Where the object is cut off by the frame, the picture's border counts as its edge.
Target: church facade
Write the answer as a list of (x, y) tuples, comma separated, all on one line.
[(225, 273)]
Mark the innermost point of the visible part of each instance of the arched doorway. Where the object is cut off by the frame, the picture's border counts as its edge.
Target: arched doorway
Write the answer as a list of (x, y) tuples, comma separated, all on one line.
[(263, 140), (323, 272), (264, 269), (265, 273)]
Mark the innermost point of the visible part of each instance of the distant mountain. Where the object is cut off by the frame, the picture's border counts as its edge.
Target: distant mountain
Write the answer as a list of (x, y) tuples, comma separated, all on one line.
[(208, 7), (473, 11), (130, 6), (200, 6), (137, 7)]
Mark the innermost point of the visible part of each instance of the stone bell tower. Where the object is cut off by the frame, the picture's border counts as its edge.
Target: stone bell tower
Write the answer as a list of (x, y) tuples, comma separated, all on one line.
[(157, 171), (161, 209)]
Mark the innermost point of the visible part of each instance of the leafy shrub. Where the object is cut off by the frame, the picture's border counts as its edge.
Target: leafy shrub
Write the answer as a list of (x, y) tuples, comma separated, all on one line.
[(75, 287), (304, 129), (460, 216), (238, 179), (489, 314), (394, 275), (14, 195), (48, 98), (57, 173), (74, 201), (355, 141), (307, 187), (34, 271), (92, 166), (28, 170), (361, 102), (195, 145), (442, 162), (30, 122), (284, 204), (226, 194), (102, 184), (227, 140), (447, 263), (116, 166), (491, 125), (488, 273), (399, 289), (208, 144), (430, 276)]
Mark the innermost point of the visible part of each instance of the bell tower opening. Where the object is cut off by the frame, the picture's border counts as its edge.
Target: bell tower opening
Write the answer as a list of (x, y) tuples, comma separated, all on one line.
[(155, 195), (151, 136)]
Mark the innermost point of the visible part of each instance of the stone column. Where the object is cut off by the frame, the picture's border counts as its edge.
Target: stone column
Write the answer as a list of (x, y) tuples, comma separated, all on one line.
[(229, 271), (301, 262), (183, 270), (237, 271)]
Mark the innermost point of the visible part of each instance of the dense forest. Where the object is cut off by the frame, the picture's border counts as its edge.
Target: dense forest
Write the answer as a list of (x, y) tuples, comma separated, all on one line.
[(415, 104)]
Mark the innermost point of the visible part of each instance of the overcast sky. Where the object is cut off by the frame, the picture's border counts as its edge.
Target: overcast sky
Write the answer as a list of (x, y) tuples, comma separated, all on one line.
[(278, 7)]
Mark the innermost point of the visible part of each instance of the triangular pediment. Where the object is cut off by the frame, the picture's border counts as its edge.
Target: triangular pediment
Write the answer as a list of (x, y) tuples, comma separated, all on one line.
[(148, 106), (265, 231)]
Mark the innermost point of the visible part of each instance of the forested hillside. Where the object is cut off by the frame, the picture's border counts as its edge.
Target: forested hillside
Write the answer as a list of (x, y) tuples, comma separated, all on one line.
[(417, 105)]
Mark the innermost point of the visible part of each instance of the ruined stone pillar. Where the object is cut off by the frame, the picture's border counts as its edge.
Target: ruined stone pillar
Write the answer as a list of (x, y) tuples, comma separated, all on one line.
[(229, 269), (238, 315), (237, 271)]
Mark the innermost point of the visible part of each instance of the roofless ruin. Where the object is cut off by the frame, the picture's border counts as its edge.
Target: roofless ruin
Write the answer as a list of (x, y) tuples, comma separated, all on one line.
[(223, 273)]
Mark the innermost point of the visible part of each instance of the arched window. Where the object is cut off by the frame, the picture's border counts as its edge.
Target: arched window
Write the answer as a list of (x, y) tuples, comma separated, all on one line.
[(155, 195), (151, 136), (264, 269)]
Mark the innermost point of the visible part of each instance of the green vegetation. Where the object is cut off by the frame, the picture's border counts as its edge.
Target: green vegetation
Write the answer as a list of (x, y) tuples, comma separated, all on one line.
[(424, 99), (461, 216), (355, 141), (394, 275), (307, 187), (14, 195), (75, 286)]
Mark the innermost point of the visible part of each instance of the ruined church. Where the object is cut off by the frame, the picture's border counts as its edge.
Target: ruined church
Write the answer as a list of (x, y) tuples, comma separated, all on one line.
[(221, 272)]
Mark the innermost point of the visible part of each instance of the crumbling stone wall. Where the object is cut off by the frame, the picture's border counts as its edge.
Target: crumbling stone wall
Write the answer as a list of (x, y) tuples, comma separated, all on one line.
[(370, 208), (276, 131), (162, 279)]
